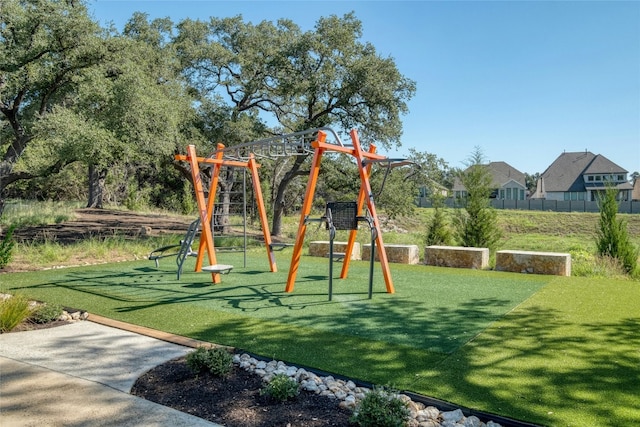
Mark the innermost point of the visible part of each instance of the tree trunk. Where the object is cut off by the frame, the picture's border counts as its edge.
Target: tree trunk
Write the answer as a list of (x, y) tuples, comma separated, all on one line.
[(97, 178), (278, 204)]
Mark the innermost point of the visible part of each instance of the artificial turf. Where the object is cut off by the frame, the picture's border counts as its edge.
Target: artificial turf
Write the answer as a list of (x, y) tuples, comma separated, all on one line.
[(554, 351)]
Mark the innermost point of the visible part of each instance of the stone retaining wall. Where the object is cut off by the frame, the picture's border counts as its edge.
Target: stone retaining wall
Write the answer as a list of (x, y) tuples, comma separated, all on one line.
[(457, 256), (401, 254), (552, 263), (321, 248)]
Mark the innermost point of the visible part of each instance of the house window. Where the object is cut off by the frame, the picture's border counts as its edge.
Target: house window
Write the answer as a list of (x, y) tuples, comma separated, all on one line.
[(621, 178), (501, 194), (521, 194), (574, 195), (598, 178), (590, 178), (508, 194)]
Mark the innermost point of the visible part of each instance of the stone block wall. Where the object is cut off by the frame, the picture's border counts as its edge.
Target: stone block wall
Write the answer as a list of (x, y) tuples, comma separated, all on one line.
[(402, 254), (456, 256), (321, 248), (552, 263)]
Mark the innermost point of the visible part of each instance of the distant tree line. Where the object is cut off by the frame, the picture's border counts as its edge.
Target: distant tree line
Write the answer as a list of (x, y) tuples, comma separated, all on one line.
[(96, 113)]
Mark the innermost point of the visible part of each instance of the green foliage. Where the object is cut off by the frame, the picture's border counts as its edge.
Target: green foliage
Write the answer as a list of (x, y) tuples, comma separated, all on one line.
[(188, 203), (438, 232), (46, 48), (46, 313), (281, 388), (13, 311), (393, 193), (381, 408), (215, 360), (612, 238), (6, 247), (476, 225)]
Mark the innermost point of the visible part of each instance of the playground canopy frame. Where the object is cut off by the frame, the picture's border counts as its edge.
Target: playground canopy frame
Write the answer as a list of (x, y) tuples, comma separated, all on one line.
[(298, 143)]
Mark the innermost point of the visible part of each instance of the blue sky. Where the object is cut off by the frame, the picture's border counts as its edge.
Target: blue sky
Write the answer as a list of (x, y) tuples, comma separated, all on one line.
[(522, 80)]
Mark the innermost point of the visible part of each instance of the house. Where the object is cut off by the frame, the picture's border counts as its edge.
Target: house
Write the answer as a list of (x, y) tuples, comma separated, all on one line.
[(581, 176), (508, 183), (635, 193)]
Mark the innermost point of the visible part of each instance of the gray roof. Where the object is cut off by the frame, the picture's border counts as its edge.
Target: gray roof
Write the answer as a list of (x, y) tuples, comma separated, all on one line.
[(501, 173), (565, 173)]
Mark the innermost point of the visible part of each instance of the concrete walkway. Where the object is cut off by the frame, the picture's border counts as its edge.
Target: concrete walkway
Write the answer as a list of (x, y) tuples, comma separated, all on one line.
[(81, 375)]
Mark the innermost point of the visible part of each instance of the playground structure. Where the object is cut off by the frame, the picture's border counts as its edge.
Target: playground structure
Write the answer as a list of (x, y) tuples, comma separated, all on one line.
[(206, 206), (309, 142)]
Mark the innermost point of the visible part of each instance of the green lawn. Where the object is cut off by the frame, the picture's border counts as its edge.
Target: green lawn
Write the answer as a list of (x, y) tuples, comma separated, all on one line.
[(549, 350)]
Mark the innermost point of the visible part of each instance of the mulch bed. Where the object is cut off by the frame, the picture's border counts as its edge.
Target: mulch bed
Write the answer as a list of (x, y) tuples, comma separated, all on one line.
[(234, 400)]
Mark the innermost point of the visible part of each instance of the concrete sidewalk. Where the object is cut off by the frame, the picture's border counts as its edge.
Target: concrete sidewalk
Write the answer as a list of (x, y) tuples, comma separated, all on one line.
[(81, 375)]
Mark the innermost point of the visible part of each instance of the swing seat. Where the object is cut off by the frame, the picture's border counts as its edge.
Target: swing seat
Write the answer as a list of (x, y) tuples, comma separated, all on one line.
[(280, 246), (218, 268), (169, 251), (337, 256)]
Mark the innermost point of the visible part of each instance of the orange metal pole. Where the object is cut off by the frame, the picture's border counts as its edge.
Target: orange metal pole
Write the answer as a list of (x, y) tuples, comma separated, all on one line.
[(202, 207), (255, 178), (364, 178), (306, 210), (352, 233), (213, 188)]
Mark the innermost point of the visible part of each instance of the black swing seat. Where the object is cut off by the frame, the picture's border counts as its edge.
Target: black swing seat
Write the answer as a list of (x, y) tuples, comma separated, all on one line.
[(337, 256), (218, 268), (170, 251), (280, 246)]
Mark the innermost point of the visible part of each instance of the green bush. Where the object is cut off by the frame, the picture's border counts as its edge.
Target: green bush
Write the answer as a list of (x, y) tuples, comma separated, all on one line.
[(281, 388), (612, 238), (46, 313), (215, 360), (6, 247), (438, 232), (381, 408), (476, 225), (13, 311)]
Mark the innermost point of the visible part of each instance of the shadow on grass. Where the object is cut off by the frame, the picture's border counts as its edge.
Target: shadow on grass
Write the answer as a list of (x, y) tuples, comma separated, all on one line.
[(454, 338), (535, 365), (413, 320)]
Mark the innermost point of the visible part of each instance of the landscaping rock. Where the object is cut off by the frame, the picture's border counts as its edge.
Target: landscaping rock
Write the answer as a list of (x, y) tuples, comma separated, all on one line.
[(350, 395)]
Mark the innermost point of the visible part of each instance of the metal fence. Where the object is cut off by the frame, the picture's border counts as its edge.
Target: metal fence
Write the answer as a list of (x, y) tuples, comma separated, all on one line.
[(630, 207)]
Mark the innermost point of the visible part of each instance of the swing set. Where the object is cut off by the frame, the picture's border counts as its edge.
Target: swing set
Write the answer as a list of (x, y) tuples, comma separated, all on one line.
[(336, 216)]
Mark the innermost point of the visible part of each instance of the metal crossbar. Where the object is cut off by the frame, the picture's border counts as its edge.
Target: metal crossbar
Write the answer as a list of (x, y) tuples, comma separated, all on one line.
[(291, 144)]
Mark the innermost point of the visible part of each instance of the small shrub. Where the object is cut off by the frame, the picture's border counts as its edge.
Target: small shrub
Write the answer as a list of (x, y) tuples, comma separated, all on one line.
[(612, 238), (381, 408), (216, 360), (281, 388), (46, 313), (438, 232), (13, 311), (476, 225), (6, 248)]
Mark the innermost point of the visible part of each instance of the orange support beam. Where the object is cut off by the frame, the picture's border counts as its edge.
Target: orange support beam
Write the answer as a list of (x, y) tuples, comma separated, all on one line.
[(255, 178), (213, 188), (352, 234), (306, 210), (202, 208), (366, 186)]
